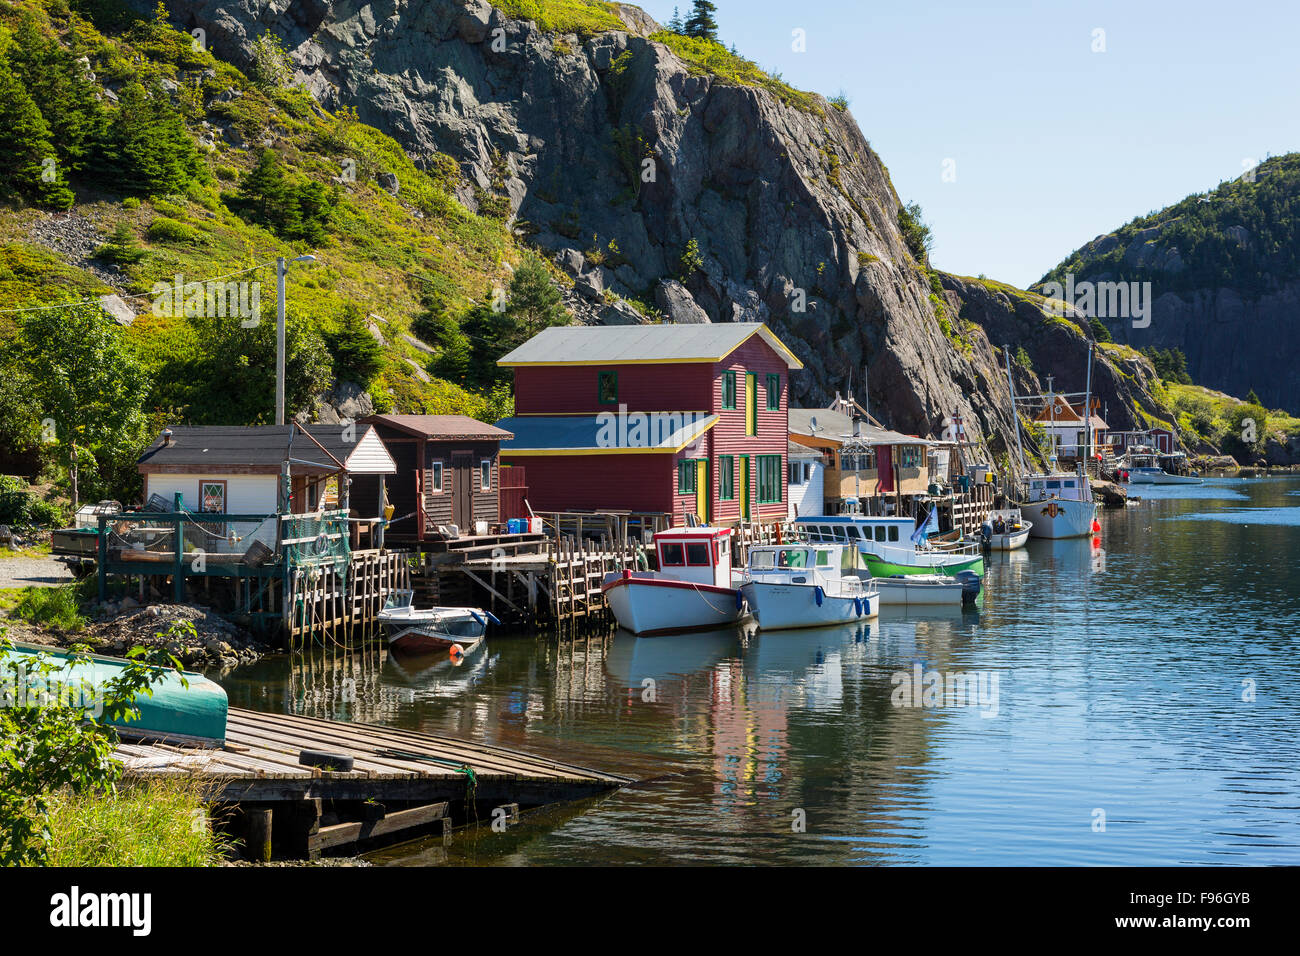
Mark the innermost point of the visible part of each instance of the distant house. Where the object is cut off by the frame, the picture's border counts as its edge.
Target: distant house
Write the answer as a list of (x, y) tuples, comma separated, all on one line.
[(672, 419), (862, 460), (238, 469), (807, 481), (447, 473), (1064, 428)]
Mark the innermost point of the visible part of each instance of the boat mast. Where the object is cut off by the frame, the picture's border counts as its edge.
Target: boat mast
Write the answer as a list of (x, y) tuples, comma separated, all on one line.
[(1015, 415), (1087, 415)]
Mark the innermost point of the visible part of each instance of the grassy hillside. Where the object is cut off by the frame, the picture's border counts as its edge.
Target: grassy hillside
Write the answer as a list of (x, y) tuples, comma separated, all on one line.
[(156, 160)]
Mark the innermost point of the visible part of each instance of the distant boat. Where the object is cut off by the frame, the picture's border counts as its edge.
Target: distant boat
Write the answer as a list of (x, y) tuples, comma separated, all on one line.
[(1144, 465), (807, 585), (193, 714), (413, 630), (691, 591)]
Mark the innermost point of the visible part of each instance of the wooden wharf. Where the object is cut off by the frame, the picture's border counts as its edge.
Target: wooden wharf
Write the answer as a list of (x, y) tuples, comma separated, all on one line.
[(397, 785)]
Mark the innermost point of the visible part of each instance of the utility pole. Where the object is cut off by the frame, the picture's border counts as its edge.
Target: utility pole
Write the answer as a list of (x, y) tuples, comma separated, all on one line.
[(281, 267)]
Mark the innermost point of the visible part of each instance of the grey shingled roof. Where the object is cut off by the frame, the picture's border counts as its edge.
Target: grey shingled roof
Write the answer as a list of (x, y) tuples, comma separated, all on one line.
[(255, 446), (613, 344), (837, 426)]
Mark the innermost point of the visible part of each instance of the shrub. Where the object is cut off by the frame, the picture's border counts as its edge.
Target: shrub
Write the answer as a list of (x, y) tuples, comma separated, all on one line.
[(163, 229)]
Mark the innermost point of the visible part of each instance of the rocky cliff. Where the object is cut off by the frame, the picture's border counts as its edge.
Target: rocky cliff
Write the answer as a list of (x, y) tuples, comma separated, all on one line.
[(663, 188)]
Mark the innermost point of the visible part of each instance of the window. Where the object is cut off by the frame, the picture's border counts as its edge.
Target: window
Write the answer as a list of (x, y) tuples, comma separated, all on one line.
[(728, 389), (671, 554), (686, 476), (893, 532), (773, 393), (769, 478), (797, 472), (880, 532), (212, 497), (435, 477), (853, 532), (697, 553), (909, 456), (607, 388), (485, 475), (751, 403), (727, 478), (762, 560), (823, 559), (824, 533)]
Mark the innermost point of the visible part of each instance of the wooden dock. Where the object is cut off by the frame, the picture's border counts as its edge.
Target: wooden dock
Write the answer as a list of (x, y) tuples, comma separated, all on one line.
[(400, 782)]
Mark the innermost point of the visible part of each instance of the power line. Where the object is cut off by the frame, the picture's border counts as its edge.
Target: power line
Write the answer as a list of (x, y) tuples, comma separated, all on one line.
[(138, 295)]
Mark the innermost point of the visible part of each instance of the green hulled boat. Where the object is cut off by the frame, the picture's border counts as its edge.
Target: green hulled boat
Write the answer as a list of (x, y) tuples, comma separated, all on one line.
[(949, 565), (193, 714)]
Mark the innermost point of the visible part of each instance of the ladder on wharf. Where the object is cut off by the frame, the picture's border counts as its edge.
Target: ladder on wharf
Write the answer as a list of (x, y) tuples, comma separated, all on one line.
[(378, 783)]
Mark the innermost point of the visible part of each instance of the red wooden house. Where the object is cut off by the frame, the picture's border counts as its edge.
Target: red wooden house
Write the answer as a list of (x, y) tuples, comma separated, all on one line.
[(677, 419)]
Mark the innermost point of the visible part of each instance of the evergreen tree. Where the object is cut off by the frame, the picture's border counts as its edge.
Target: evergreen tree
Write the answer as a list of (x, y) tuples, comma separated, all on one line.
[(30, 168), (701, 23), (148, 148), (1254, 399), (265, 191), (535, 303), (358, 357), (675, 25), (62, 90)]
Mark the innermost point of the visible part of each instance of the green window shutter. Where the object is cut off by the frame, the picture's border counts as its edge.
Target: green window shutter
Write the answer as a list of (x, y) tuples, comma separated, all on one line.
[(773, 393), (728, 390), (769, 479)]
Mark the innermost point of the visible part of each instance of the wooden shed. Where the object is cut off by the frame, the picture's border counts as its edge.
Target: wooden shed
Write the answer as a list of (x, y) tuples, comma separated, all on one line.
[(447, 473)]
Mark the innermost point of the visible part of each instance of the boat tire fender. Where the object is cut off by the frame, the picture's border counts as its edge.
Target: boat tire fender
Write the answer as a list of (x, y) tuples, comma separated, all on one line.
[(326, 761)]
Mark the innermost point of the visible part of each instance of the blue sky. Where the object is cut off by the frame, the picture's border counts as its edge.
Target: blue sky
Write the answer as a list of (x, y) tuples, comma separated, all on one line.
[(1052, 143)]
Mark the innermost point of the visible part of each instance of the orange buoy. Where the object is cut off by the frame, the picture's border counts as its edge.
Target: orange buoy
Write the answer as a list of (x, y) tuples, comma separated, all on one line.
[(456, 652), (1096, 526)]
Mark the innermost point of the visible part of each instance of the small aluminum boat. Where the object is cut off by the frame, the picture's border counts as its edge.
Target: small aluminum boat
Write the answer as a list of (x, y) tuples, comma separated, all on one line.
[(457, 631)]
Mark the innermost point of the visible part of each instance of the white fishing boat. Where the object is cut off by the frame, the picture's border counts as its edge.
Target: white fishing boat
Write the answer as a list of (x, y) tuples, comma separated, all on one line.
[(691, 591), (456, 631), (1005, 529), (911, 590), (1059, 505), (1143, 465), (807, 585)]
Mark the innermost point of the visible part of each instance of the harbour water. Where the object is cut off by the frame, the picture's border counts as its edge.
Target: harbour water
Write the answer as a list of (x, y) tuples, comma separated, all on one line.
[(1134, 703)]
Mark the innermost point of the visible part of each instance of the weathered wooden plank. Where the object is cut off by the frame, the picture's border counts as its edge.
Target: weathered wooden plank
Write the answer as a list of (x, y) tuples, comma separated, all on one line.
[(344, 834)]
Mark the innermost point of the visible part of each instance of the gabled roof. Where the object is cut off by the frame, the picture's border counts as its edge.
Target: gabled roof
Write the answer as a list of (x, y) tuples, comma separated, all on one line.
[(262, 449), (595, 435), (836, 426), (436, 427), (642, 344), (1058, 410)]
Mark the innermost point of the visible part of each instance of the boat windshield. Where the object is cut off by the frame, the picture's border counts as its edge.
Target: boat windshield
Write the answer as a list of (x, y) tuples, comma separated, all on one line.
[(460, 627), (778, 558)]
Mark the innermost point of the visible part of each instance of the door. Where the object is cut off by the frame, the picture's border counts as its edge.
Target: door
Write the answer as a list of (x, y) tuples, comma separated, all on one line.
[(464, 479), (702, 489), (744, 487)]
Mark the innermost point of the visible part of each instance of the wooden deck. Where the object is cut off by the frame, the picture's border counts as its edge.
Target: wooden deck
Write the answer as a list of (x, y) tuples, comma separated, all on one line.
[(400, 780)]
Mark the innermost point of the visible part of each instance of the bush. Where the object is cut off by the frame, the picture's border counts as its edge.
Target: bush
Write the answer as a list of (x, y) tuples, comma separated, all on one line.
[(22, 508), (163, 229)]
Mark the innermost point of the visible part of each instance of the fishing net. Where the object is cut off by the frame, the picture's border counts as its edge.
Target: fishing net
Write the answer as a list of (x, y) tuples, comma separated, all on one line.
[(317, 540)]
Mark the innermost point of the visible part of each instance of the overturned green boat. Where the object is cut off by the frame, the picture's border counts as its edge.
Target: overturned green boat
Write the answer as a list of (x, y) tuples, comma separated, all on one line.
[(190, 712)]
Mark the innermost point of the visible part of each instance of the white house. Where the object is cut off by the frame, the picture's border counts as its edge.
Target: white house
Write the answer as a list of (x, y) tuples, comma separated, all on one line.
[(237, 470), (807, 481)]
